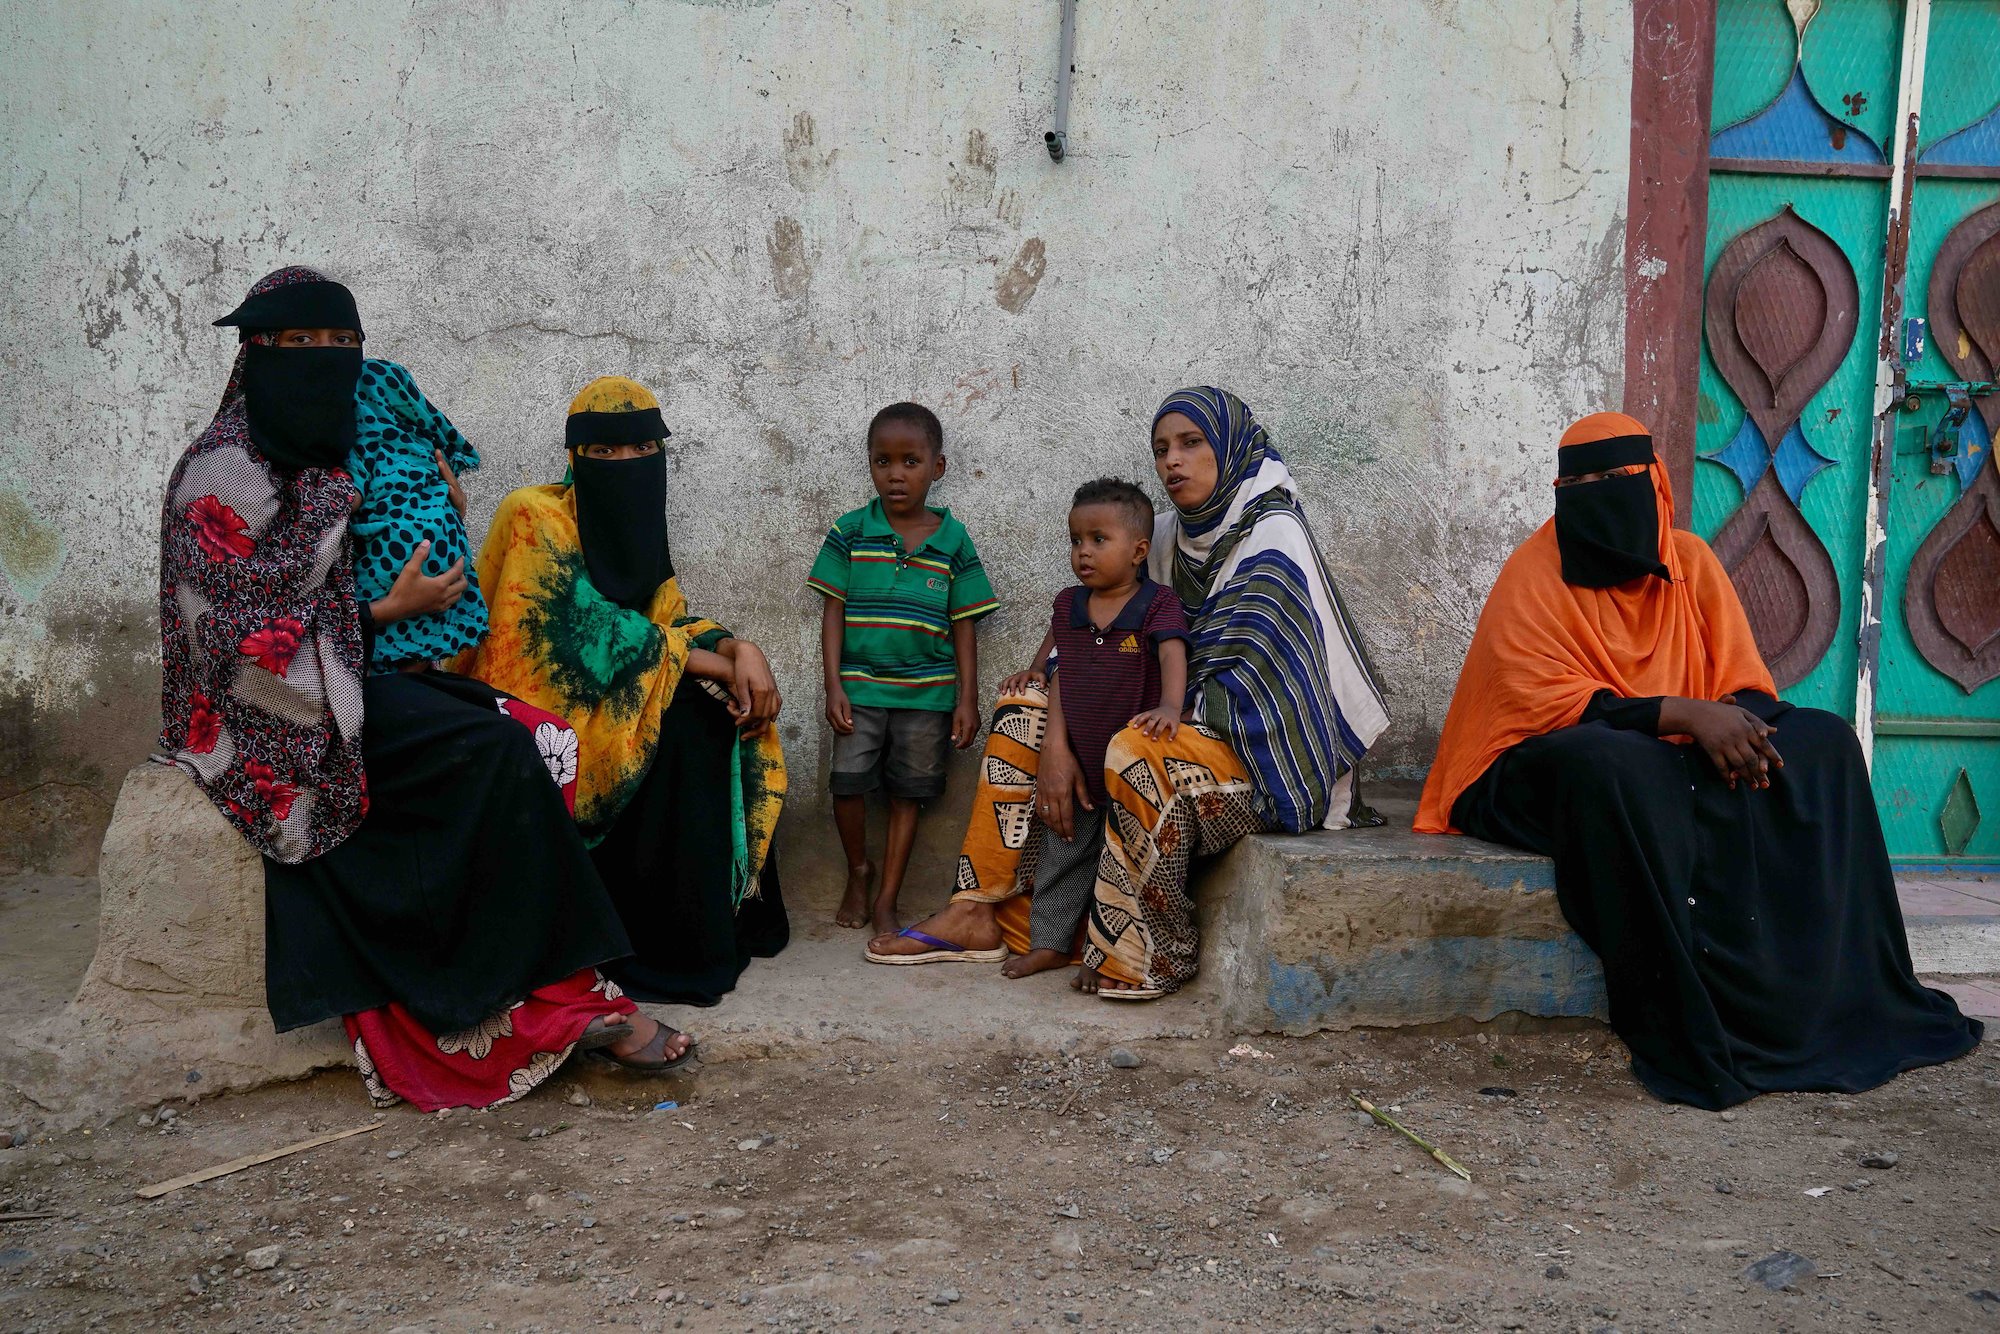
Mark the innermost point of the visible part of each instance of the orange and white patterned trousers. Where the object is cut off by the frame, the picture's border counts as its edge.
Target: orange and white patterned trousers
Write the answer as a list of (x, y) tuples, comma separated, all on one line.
[(1172, 800)]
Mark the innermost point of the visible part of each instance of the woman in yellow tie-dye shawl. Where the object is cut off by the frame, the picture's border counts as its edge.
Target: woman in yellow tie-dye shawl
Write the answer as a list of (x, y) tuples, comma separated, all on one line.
[(679, 775)]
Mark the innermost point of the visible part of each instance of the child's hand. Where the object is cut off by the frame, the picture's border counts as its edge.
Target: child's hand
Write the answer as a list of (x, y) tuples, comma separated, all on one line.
[(964, 722), (839, 713), (1157, 723), (452, 488), (1019, 681)]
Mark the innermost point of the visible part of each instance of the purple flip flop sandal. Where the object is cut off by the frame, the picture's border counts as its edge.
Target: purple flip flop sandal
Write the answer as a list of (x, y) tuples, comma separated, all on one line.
[(941, 951)]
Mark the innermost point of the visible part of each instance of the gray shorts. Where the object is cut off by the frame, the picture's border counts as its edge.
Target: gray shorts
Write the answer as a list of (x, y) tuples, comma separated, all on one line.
[(902, 751)]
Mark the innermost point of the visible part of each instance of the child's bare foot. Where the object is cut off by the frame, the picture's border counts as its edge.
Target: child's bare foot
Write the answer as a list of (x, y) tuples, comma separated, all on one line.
[(854, 903), (885, 922), (1034, 961)]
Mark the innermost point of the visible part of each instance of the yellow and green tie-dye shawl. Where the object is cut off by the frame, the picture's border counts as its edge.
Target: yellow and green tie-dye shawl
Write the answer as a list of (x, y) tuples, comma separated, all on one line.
[(555, 642)]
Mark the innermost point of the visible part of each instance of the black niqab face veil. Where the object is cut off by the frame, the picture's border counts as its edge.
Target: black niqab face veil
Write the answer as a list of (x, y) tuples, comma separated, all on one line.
[(299, 401), (621, 520), (1608, 531)]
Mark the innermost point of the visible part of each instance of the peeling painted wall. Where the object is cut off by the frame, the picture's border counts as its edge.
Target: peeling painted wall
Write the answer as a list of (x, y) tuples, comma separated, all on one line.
[(1395, 229)]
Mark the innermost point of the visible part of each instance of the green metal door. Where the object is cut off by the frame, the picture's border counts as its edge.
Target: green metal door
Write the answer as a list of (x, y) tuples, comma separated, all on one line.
[(1865, 543)]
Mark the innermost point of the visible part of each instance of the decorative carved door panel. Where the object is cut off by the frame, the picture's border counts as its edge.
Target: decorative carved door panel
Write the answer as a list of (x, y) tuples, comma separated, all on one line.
[(1806, 115)]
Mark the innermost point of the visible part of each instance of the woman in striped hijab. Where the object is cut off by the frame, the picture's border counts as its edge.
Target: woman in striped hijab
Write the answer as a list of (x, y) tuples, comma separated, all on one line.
[(1281, 707), (1278, 670)]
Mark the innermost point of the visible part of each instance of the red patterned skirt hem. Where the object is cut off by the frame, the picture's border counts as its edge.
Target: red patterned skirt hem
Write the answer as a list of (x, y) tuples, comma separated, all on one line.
[(496, 1061)]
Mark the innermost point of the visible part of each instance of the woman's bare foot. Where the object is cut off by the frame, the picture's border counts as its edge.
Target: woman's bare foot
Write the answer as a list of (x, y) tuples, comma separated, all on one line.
[(854, 903), (1089, 981), (643, 1031), (971, 926), (1034, 961)]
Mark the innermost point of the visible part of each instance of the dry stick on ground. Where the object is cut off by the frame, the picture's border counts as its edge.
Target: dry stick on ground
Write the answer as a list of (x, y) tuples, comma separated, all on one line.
[(154, 1192), (1409, 1134), (27, 1217), (1890, 1272)]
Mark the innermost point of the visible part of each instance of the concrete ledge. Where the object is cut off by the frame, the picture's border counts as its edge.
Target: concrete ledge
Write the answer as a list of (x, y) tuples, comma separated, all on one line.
[(1363, 928), (1951, 947), (1385, 928)]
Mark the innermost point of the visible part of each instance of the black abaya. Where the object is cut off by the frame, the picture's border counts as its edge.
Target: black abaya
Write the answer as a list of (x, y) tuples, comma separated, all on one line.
[(1752, 941), (668, 862), (466, 887)]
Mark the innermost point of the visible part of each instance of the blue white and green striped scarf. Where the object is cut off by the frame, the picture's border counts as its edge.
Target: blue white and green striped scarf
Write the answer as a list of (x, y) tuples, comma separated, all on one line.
[(1277, 669)]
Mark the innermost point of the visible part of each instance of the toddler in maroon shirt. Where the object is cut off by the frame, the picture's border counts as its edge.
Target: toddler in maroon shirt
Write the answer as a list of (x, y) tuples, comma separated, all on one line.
[(1120, 646)]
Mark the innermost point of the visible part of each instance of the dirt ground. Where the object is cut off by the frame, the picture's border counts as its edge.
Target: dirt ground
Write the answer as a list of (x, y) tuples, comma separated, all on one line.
[(998, 1189)]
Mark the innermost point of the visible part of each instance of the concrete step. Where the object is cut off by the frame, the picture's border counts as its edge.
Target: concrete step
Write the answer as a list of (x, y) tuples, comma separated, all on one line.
[(1976, 996), (1953, 924), (1385, 928)]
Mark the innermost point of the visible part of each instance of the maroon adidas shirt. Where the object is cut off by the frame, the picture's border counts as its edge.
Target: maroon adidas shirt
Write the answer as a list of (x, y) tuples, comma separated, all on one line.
[(1110, 674)]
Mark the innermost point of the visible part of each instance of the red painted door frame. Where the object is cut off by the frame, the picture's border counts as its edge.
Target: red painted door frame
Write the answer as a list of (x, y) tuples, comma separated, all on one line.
[(1666, 226)]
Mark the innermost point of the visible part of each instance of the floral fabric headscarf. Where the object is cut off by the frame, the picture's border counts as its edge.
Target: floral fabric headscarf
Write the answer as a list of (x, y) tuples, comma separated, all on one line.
[(260, 636)]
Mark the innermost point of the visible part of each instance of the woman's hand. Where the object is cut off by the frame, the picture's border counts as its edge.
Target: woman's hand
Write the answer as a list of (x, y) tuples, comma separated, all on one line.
[(1019, 681), (1157, 723), (754, 696), (418, 594), (1735, 740), (1059, 790), (453, 490)]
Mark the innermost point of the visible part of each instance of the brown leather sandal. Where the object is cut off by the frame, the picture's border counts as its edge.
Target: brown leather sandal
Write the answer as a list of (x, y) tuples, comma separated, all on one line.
[(651, 1059), (602, 1032)]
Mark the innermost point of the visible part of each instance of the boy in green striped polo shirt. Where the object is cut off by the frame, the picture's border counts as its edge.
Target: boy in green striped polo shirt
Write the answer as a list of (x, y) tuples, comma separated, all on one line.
[(902, 588)]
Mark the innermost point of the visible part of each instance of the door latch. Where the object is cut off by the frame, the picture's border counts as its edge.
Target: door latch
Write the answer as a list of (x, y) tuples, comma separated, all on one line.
[(1944, 436), (1942, 441)]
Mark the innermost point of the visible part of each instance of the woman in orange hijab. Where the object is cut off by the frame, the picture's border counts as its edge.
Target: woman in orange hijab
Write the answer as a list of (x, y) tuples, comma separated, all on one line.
[(1718, 848)]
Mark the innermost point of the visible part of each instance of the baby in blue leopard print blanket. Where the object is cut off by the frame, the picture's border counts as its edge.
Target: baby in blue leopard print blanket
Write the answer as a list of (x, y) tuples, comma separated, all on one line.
[(404, 500)]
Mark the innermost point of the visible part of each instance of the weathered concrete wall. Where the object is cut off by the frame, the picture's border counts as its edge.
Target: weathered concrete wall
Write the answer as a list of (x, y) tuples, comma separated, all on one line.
[(1395, 229)]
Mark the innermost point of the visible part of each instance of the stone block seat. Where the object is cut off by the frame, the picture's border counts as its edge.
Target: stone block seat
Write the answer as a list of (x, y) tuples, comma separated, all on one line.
[(173, 1002), (1385, 927)]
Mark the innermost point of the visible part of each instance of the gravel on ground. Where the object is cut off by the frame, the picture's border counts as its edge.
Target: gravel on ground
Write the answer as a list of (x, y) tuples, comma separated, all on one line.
[(1214, 1184)]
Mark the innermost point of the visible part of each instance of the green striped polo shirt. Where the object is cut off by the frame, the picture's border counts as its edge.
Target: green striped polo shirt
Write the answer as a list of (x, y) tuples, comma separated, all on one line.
[(895, 652)]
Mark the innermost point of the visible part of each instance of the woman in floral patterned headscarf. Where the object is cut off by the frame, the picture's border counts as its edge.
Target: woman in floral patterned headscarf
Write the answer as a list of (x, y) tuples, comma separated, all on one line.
[(423, 878)]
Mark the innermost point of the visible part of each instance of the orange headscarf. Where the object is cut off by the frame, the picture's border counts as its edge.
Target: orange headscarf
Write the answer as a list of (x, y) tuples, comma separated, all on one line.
[(1544, 647)]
